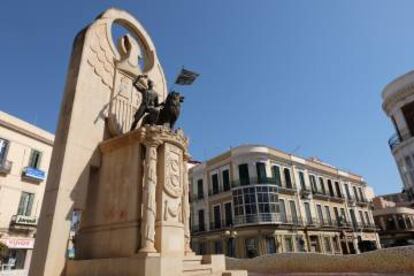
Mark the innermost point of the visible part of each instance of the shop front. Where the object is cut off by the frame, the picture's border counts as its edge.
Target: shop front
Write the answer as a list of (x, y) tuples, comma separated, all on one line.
[(15, 252)]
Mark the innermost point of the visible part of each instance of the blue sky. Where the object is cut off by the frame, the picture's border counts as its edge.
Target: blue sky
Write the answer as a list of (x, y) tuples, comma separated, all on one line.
[(302, 76)]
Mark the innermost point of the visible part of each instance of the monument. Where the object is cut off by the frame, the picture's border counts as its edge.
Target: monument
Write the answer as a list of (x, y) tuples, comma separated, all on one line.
[(127, 174)]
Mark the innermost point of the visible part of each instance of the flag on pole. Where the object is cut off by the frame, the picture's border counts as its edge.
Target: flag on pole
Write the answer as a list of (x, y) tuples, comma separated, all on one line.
[(186, 77)]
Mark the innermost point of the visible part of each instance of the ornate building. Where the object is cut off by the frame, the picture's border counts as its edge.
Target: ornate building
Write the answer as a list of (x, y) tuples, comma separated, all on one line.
[(24, 160), (394, 219), (255, 200), (398, 104)]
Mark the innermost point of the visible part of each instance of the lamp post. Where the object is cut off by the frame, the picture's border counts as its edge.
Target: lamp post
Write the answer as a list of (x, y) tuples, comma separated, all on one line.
[(231, 234)]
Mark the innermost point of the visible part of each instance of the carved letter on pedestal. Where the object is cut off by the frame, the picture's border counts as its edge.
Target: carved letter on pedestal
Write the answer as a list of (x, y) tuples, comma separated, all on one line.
[(149, 205)]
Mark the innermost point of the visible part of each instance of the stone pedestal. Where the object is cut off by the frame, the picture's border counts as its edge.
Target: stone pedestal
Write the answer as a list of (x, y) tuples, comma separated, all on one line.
[(136, 221)]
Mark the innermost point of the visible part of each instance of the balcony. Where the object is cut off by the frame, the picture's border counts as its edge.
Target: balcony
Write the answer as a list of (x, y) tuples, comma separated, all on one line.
[(265, 218), (33, 174), (359, 226), (220, 225), (196, 229), (351, 201), (397, 139), (305, 192), (287, 190), (320, 195), (20, 221), (362, 202), (317, 223), (5, 166), (394, 141)]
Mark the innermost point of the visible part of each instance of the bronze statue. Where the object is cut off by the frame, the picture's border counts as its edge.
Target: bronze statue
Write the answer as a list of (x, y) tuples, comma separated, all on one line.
[(149, 102), (156, 113), (169, 112)]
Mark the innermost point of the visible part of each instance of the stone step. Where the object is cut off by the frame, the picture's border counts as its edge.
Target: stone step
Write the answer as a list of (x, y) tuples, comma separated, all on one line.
[(196, 269), (193, 260)]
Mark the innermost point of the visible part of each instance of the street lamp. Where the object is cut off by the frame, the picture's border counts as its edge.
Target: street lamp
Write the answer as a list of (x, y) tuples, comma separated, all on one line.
[(231, 234)]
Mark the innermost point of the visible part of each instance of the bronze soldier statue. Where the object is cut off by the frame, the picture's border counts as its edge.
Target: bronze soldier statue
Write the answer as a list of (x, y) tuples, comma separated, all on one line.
[(149, 104)]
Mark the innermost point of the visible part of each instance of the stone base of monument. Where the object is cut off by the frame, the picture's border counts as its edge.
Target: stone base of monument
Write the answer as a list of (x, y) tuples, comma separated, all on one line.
[(152, 265), (136, 220)]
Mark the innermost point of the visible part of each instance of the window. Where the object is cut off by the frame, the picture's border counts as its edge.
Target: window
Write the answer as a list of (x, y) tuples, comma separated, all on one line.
[(312, 181), (302, 180), (4, 146), (320, 214), (336, 215), (308, 213), (361, 195), (249, 201), (227, 213), (288, 244), (201, 220), (25, 204), (327, 243), (300, 244), (218, 247), (343, 216), (200, 190), (288, 180), (244, 174), (322, 185), (226, 180), (293, 212), (251, 250), (338, 189), (348, 193), (35, 159), (267, 199), (330, 187), (396, 127), (408, 112), (261, 172), (336, 244), (215, 181), (361, 217), (355, 193), (238, 202), (328, 215), (276, 175), (282, 210), (367, 219), (217, 217), (353, 218), (270, 245)]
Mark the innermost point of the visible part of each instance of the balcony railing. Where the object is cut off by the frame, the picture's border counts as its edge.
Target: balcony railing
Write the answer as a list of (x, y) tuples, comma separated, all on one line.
[(198, 228), (5, 166), (326, 223), (222, 224), (287, 190), (394, 141), (258, 219), (25, 221), (359, 226), (253, 180), (33, 174)]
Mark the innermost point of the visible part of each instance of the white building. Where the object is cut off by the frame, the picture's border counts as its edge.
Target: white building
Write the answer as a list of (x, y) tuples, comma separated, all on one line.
[(398, 104), (25, 152), (255, 200)]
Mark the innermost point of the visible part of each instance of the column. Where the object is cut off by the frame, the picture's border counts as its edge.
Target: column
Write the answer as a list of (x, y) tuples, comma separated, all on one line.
[(148, 198), (186, 207)]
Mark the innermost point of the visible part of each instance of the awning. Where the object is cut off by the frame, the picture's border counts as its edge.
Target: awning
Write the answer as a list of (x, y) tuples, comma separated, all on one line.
[(18, 243)]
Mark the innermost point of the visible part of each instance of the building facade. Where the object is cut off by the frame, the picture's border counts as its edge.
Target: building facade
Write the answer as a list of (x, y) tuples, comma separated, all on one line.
[(394, 219), (25, 152), (398, 104), (255, 200)]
